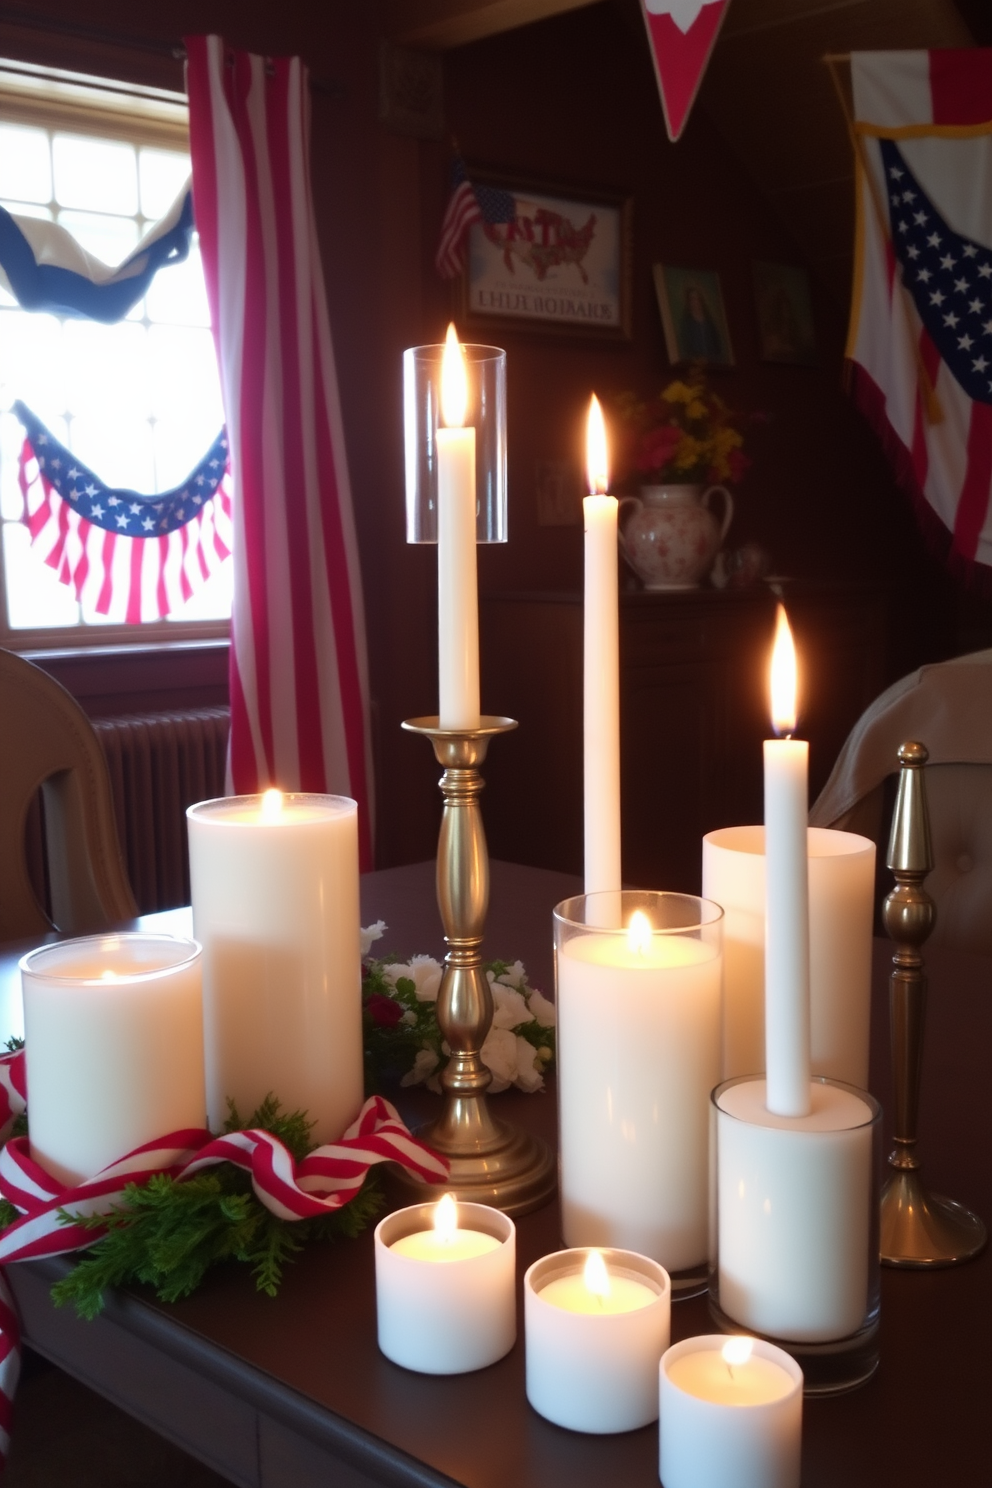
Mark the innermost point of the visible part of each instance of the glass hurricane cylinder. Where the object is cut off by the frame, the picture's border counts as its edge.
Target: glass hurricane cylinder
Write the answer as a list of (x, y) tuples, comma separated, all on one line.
[(796, 1235), (638, 1055), (485, 413), (113, 1029)]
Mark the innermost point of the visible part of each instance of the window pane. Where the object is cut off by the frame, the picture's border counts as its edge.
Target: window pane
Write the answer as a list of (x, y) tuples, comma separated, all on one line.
[(31, 363), (111, 239), (178, 295), (25, 164), (213, 601), (105, 370), (118, 450), (100, 175), (162, 175), (183, 374), (180, 444), (26, 209), (35, 598)]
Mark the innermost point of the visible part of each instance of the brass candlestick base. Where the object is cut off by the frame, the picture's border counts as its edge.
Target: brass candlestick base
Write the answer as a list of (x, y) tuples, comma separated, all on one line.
[(917, 1228), (491, 1162)]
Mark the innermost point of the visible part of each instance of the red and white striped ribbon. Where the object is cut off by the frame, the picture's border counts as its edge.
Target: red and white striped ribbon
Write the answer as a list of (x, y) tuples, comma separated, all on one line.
[(325, 1180)]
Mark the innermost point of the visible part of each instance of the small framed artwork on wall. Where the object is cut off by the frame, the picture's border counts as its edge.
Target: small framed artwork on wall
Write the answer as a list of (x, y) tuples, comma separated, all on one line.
[(692, 313), (785, 314), (548, 258)]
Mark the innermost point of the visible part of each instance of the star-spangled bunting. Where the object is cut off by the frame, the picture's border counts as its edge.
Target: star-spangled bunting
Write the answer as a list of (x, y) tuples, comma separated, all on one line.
[(948, 276), (325, 1180), (136, 557)]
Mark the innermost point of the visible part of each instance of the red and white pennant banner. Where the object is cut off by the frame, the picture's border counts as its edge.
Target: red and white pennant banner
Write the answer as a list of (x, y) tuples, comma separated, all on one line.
[(682, 34), (324, 1181)]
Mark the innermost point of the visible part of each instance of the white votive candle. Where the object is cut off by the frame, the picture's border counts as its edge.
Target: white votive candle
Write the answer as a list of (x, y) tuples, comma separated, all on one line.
[(596, 1324), (638, 1055), (275, 905), (600, 669), (794, 1203), (457, 575), (444, 1282), (730, 1414), (113, 1029), (841, 870)]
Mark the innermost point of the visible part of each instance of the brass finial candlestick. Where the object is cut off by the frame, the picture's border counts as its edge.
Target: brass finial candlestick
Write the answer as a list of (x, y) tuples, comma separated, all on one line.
[(491, 1162), (917, 1228)]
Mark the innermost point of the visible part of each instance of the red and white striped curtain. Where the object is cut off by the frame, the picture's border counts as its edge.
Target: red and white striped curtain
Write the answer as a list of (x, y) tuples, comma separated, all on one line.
[(299, 684)]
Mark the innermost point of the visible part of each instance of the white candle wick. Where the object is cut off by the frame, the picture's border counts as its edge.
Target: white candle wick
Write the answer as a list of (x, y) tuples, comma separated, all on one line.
[(639, 933), (597, 463), (271, 804), (783, 678), (454, 381), (108, 976), (446, 1219), (596, 1277)]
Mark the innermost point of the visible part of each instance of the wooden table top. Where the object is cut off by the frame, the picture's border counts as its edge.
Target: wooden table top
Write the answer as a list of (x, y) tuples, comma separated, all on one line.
[(311, 1354)]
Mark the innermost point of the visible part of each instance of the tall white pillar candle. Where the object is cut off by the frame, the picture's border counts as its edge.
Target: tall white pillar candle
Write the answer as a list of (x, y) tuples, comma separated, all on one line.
[(594, 1337), (445, 1293), (730, 1414), (786, 893), (601, 671), (113, 1029), (457, 576), (841, 868), (794, 1200), (638, 1055), (275, 906)]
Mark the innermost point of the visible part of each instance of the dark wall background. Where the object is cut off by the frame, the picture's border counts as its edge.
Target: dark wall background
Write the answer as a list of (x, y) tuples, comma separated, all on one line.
[(570, 101)]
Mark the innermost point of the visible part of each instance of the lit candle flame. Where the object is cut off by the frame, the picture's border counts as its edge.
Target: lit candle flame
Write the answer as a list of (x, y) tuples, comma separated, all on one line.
[(446, 1219), (454, 381), (596, 1276), (271, 804), (108, 976), (783, 676), (736, 1351), (639, 933), (597, 459)]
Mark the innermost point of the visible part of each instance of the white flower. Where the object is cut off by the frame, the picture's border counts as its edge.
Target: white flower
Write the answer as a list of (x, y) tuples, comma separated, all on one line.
[(499, 1054), (541, 1009), (514, 976), (509, 1007), (409, 1018), (425, 1064), (423, 971), (371, 933), (529, 1077)]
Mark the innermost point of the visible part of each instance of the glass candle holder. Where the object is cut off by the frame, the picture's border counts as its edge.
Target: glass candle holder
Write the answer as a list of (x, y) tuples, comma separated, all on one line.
[(113, 1029), (638, 979), (795, 1242), (485, 412)]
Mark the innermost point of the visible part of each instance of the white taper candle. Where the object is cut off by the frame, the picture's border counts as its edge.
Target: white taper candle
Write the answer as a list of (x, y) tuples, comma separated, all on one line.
[(457, 578), (601, 671)]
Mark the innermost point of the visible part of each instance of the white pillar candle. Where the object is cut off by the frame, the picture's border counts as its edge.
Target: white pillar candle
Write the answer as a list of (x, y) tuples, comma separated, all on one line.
[(601, 671), (457, 577), (275, 907), (593, 1343), (638, 1055), (730, 1414), (794, 1200), (841, 869), (786, 893), (113, 1029), (445, 1299)]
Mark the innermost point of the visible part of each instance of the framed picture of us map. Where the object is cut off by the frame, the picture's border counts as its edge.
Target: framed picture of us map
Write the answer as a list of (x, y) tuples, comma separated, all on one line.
[(548, 259)]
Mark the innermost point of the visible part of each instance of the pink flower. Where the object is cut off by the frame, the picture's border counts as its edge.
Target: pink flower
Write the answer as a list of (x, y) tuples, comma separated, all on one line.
[(384, 1010), (657, 447)]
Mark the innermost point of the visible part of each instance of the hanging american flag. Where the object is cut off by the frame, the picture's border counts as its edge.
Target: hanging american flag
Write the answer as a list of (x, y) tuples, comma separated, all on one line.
[(467, 204), (920, 342), (131, 557), (299, 688)]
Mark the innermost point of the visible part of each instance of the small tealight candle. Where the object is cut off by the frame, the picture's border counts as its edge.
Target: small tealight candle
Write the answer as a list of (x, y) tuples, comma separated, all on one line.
[(444, 1280), (597, 1323), (730, 1413)]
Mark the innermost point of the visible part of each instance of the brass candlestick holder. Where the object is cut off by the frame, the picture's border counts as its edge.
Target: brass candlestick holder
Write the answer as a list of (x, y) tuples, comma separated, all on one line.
[(491, 1162), (917, 1228)]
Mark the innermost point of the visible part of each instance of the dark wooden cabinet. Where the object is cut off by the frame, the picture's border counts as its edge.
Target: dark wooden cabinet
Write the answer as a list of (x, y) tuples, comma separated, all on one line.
[(693, 683)]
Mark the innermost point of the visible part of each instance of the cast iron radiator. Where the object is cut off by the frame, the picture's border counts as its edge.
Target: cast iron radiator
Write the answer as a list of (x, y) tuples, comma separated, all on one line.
[(160, 763)]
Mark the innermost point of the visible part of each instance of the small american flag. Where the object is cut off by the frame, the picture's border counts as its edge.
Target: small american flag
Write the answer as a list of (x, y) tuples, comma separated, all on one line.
[(468, 204), (133, 557)]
